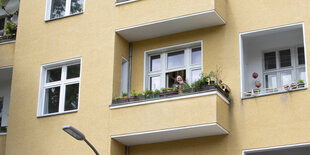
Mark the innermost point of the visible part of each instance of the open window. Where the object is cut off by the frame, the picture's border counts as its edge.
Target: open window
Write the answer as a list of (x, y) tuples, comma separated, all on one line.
[(164, 65), (124, 79), (273, 60), (5, 91)]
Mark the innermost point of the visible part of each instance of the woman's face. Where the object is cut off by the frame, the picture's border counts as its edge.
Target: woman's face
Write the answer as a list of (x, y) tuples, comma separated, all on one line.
[(179, 79)]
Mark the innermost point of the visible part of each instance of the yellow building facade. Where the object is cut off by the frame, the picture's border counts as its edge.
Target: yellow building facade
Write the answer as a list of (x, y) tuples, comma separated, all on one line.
[(71, 58)]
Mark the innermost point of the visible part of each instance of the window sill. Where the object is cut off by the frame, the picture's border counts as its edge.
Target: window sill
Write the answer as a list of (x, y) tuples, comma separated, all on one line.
[(54, 114), (124, 2), (7, 42), (48, 20), (273, 93), (3, 134)]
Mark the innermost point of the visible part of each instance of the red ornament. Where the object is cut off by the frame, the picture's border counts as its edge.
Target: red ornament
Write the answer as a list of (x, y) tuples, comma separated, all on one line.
[(258, 84), (254, 75)]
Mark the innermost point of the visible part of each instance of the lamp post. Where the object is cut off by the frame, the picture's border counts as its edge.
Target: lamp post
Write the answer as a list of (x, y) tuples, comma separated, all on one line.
[(78, 135)]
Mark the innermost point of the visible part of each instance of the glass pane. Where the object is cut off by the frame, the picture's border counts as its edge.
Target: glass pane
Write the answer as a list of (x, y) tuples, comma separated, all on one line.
[(301, 56), (53, 75), (175, 59), (72, 97), (155, 83), (285, 58), (51, 104), (196, 75), (271, 81), (2, 21), (76, 6), (196, 56), (58, 8), (73, 71), (286, 78), (270, 60), (155, 63), (301, 74), (1, 104)]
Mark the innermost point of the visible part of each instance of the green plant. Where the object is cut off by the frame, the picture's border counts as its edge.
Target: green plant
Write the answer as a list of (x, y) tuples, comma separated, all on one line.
[(148, 93), (164, 90), (118, 97), (133, 93), (10, 29), (156, 91), (169, 88), (300, 81), (139, 94), (124, 94)]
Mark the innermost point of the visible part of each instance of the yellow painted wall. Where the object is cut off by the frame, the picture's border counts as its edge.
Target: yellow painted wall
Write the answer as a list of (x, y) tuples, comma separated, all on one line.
[(167, 114), (253, 123), (2, 144), (7, 54)]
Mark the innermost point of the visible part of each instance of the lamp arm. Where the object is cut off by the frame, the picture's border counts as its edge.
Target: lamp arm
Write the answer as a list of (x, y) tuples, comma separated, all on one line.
[(91, 146)]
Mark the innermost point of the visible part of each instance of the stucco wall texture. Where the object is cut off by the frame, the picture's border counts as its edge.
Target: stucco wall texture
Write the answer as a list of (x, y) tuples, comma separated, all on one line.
[(272, 120)]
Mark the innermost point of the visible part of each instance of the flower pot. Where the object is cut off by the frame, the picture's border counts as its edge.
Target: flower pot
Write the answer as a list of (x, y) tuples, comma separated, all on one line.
[(286, 87), (170, 93), (156, 96), (188, 90), (248, 93), (256, 91), (293, 86), (212, 82), (141, 97), (133, 98), (301, 85), (180, 91)]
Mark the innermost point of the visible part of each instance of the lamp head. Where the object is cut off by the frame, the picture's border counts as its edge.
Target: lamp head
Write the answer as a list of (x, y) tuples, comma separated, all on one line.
[(73, 132)]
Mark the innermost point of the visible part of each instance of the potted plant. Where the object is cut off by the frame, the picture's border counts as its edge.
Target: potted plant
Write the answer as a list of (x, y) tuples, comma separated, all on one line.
[(248, 93), (163, 92), (125, 95), (212, 78), (133, 97), (286, 87), (301, 83), (293, 86), (148, 94), (256, 91), (156, 93), (140, 96), (116, 100), (171, 91), (10, 29), (187, 89)]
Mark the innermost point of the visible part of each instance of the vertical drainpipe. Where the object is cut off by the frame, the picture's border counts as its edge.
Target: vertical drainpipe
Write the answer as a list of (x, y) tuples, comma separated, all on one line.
[(126, 150), (129, 68)]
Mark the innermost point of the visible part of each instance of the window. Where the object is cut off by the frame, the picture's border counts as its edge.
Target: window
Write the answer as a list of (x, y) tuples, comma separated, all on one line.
[(60, 84), (283, 67), (124, 76), (60, 8), (164, 65)]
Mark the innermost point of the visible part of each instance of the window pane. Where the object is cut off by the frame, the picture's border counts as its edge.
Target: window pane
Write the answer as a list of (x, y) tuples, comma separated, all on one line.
[(286, 78), (301, 74), (2, 21), (58, 8), (196, 56), (155, 63), (53, 75), (301, 56), (155, 83), (76, 6), (196, 75), (175, 59), (285, 58), (51, 104), (270, 60), (72, 97), (73, 71), (271, 81)]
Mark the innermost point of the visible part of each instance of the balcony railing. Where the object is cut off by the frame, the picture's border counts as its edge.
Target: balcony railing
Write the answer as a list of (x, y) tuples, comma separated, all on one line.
[(7, 38)]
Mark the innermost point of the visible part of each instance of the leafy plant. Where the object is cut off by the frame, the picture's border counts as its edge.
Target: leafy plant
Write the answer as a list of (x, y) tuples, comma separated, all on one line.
[(300, 81), (164, 90), (139, 94), (133, 93), (10, 29), (118, 97), (148, 92), (156, 91), (124, 94), (169, 89)]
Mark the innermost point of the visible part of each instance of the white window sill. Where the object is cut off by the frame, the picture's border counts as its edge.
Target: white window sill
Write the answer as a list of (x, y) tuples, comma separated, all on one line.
[(8, 42), (273, 93), (124, 2), (3, 134), (54, 114), (48, 20)]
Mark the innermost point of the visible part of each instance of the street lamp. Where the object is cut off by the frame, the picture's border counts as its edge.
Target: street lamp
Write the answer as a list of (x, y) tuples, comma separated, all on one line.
[(78, 135)]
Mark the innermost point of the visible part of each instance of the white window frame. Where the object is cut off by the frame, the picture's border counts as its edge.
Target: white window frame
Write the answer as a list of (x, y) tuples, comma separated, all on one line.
[(62, 84), (279, 70), (67, 10), (163, 52), (124, 76)]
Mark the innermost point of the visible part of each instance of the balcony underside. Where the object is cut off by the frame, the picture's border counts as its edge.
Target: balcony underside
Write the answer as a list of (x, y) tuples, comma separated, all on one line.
[(171, 26), (170, 134)]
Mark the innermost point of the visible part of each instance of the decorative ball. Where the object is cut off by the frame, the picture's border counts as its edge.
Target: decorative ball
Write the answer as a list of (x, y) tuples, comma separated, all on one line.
[(254, 75)]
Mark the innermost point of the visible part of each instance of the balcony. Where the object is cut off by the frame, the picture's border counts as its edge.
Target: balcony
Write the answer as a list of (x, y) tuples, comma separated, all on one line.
[(8, 20), (141, 20), (180, 116)]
